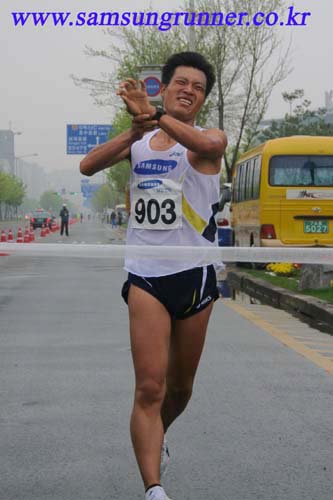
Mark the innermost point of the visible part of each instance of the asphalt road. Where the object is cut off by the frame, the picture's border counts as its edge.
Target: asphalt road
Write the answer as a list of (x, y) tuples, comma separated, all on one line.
[(259, 425)]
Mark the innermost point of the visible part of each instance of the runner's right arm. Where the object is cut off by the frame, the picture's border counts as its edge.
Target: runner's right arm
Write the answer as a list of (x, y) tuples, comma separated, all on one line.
[(117, 149)]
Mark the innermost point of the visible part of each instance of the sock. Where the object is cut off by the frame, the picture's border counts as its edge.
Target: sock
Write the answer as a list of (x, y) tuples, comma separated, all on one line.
[(152, 486)]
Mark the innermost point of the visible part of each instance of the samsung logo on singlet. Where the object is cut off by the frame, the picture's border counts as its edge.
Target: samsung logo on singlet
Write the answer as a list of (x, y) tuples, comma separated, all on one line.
[(149, 184), (149, 167)]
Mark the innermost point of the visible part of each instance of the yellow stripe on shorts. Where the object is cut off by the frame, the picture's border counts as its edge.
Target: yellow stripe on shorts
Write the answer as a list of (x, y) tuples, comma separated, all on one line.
[(193, 302)]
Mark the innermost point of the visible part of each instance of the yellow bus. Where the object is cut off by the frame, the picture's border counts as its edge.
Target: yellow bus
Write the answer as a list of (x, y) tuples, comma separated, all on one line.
[(282, 193)]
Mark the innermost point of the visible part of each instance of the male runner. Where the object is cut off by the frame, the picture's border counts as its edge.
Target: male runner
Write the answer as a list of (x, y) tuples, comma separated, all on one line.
[(174, 191)]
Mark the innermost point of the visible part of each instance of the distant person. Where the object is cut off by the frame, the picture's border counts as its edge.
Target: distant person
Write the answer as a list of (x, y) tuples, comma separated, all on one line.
[(64, 215), (113, 219), (120, 219), (81, 217)]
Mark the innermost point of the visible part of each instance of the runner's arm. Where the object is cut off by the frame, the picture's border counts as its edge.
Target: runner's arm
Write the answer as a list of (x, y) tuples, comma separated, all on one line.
[(107, 154), (209, 144), (117, 149)]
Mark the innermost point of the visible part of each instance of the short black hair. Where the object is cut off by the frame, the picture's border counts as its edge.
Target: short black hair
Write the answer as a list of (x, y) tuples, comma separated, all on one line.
[(192, 59)]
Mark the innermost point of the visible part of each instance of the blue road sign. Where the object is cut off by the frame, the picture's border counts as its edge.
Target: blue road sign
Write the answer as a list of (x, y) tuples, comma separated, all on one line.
[(88, 189), (82, 138), (152, 85)]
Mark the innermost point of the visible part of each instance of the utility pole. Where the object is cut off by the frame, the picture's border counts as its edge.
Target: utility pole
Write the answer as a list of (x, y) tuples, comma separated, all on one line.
[(191, 32)]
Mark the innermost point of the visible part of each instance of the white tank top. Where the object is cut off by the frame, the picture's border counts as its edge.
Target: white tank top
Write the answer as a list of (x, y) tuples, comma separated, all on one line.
[(172, 204)]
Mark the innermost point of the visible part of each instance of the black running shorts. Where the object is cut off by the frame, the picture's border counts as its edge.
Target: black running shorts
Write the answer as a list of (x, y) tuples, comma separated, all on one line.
[(183, 294)]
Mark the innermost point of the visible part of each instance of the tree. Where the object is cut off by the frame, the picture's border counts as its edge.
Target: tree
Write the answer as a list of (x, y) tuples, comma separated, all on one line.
[(105, 197), (4, 180), (12, 191), (118, 175), (51, 201), (248, 60), (15, 194), (246, 73), (29, 204), (302, 121), (290, 97)]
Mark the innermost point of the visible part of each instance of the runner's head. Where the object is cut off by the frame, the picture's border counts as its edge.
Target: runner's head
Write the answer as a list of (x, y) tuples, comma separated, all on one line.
[(187, 79), (192, 60)]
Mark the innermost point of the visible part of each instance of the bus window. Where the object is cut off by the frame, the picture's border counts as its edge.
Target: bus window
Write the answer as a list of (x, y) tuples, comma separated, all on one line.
[(241, 193), (249, 181), (301, 171), (235, 189), (256, 178)]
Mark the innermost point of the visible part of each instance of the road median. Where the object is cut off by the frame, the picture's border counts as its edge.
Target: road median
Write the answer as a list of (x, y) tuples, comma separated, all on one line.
[(310, 308)]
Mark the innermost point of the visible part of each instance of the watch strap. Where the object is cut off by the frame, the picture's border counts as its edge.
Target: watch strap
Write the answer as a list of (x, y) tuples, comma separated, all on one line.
[(158, 114)]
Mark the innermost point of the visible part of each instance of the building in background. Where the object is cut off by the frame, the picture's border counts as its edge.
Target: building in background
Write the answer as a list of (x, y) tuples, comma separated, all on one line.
[(7, 151)]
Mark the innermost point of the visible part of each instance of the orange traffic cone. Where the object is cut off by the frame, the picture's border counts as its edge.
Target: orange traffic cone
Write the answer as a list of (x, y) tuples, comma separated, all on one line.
[(32, 234), (42, 232), (47, 230), (19, 236), (26, 236), (10, 235), (3, 236)]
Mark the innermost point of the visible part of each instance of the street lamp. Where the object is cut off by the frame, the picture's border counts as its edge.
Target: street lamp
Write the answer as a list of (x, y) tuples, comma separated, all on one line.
[(17, 158), (93, 80), (104, 84)]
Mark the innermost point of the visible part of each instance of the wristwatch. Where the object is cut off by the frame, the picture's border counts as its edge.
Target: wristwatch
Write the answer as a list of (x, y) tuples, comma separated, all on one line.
[(159, 113)]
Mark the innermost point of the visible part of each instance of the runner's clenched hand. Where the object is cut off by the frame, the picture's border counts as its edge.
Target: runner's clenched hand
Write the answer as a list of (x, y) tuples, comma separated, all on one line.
[(142, 123)]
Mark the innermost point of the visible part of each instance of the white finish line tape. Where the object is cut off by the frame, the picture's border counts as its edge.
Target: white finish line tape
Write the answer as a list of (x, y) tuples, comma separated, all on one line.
[(203, 255)]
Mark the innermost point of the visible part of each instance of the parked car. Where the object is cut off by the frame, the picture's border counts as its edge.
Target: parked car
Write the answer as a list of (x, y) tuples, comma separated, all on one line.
[(41, 217)]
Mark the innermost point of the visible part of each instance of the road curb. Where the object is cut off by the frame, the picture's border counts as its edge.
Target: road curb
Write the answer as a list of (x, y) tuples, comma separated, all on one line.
[(309, 307)]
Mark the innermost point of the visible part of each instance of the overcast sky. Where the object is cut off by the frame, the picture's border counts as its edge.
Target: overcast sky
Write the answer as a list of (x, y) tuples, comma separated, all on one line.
[(38, 97)]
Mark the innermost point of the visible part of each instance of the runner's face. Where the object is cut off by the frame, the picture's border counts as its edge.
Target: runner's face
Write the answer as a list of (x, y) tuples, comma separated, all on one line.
[(185, 93)]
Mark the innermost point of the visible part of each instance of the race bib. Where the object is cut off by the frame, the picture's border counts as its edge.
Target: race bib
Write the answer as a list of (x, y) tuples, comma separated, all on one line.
[(156, 204)]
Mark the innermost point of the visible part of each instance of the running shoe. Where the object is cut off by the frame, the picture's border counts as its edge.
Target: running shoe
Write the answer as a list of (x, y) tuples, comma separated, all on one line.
[(165, 457), (156, 493)]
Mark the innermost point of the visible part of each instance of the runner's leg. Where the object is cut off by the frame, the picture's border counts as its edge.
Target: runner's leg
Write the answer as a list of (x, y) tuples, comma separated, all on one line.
[(186, 345), (150, 326)]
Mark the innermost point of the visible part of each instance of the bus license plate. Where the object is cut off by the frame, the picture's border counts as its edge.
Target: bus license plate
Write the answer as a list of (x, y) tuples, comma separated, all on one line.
[(315, 226)]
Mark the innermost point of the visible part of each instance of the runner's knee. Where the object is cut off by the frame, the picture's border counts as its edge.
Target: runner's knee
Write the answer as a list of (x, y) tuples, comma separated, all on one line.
[(149, 392)]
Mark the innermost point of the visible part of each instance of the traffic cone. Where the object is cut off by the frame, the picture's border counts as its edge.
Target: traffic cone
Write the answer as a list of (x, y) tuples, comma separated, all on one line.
[(19, 236), (47, 230), (26, 235), (54, 227), (3, 236), (10, 235), (32, 234), (42, 232)]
